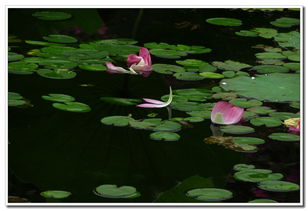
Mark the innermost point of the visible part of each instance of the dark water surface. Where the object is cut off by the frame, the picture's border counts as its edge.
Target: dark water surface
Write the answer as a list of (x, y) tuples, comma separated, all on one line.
[(52, 149)]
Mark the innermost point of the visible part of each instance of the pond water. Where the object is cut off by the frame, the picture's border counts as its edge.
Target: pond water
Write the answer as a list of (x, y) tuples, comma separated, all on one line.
[(54, 149)]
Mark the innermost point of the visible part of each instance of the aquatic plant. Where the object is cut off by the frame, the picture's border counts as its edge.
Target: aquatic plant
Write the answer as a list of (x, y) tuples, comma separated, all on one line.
[(138, 65), (225, 113), (156, 103), (293, 124)]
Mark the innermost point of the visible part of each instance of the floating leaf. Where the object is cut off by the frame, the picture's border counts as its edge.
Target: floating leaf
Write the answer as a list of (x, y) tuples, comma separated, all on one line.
[(270, 69), (52, 15), (244, 103), (164, 136), (43, 43), (262, 201), (56, 74), (229, 74), (168, 54), (188, 76), (119, 121), (267, 121), (293, 66), (285, 22), (236, 129), (191, 62), (189, 106), (265, 32), (224, 95), (230, 65), (261, 110), (93, 67), (207, 68), (14, 96), (121, 101), (242, 167), (278, 186), (283, 115), (211, 75), (112, 191), (141, 125), (168, 126), (21, 68), (209, 194), (202, 114), (167, 68), (57, 64), (59, 38), (274, 87), (249, 115), (194, 119), (271, 61), (16, 102), (72, 106), (295, 105), (224, 21), (253, 175), (284, 137), (246, 33), (268, 55), (290, 39), (248, 140), (119, 41), (55, 194), (14, 56), (58, 97)]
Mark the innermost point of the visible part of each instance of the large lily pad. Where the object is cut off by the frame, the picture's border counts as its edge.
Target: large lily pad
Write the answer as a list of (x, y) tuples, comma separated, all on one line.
[(275, 87), (248, 140), (112, 191), (262, 201), (230, 65), (267, 121), (58, 97), (270, 69), (209, 194), (285, 22), (59, 38), (283, 115), (270, 55), (236, 129), (242, 167), (168, 126), (72, 106), (22, 68), (244, 103), (284, 137), (167, 54), (165, 136), (224, 21), (119, 121), (167, 68), (252, 175), (14, 56), (188, 76), (290, 39), (55, 194), (278, 186), (56, 74)]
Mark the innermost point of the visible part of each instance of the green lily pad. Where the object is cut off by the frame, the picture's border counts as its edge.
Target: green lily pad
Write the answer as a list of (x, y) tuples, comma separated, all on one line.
[(119, 41), (209, 194), (56, 74), (22, 68), (194, 119), (121, 101), (55, 194), (14, 56), (191, 62), (252, 175), (230, 65), (167, 54), (229, 74), (292, 55), (237, 129), (278, 186), (93, 67), (242, 167), (189, 106), (248, 148), (195, 49), (207, 68), (216, 89), (285, 22), (246, 33), (244, 103), (261, 110), (288, 40), (269, 55), (295, 105), (274, 87), (224, 21), (224, 95), (112, 191), (72, 106), (284, 137), (270, 69), (165, 136), (58, 97), (265, 32), (249, 115), (211, 75), (271, 62), (188, 76), (167, 68), (52, 15), (293, 66), (283, 115), (14, 96), (202, 114), (267, 121), (168, 126), (57, 64), (142, 125), (16, 102), (42, 43), (59, 38), (262, 201), (192, 92), (119, 121), (248, 140)]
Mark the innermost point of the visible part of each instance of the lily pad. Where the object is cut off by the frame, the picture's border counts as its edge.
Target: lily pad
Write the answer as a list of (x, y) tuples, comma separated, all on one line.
[(14, 96), (167, 68), (141, 125), (194, 119), (16, 102), (262, 201), (265, 32), (290, 39), (56, 74), (237, 129), (244, 103), (284, 137), (14, 56), (254, 176), (274, 87), (261, 110), (278, 186), (191, 62), (188, 76), (42, 43), (211, 75), (189, 106), (209, 194), (207, 68), (242, 167), (112, 191), (168, 126), (246, 33), (51, 15), (168, 54), (119, 121), (72, 106), (249, 115), (22, 68), (121, 101), (269, 55), (285, 22), (267, 121), (295, 105), (293, 66), (165, 136), (59, 38), (283, 115), (193, 92), (230, 65), (93, 67), (270, 69), (58, 97), (202, 114), (229, 74), (55, 194), (57, 64), (271, 62), (248, 140), (224, 21)]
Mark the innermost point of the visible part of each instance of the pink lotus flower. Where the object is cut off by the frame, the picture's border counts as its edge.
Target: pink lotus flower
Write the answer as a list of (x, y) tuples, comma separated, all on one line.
[(293, 124), (225, 113), (138, 65), (156, 103)]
